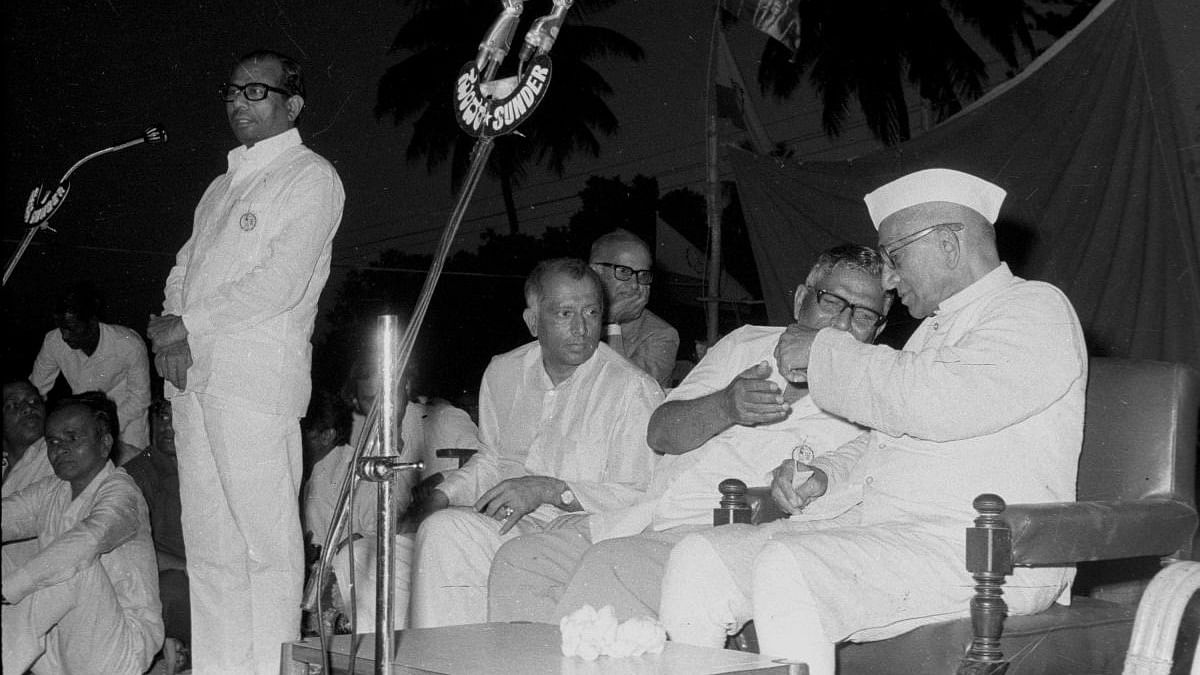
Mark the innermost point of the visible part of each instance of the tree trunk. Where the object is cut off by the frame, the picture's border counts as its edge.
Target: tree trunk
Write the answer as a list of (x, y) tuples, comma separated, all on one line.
[(510, 204)]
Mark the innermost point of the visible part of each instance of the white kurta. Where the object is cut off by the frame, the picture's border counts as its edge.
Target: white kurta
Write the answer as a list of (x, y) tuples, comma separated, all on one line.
[(683, 490), (246, 284), (589, 431), (118, 367), (102, 618), (987, 396), (34, 466)]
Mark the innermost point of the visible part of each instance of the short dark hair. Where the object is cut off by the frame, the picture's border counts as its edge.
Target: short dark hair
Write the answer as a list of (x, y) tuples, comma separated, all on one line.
[(327, 410), (81, 300), (293, 77), (573, 268), (102, 407)]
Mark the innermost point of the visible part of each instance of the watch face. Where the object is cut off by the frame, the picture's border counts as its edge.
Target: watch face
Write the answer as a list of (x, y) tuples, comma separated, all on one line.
[(567, 497)]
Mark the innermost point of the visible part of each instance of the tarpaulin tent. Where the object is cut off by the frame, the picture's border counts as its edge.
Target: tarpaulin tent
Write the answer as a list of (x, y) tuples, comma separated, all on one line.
[(1097, 143)]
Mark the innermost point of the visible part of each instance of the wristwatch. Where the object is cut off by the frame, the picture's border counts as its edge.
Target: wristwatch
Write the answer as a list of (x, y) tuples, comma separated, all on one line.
[(567, 497)]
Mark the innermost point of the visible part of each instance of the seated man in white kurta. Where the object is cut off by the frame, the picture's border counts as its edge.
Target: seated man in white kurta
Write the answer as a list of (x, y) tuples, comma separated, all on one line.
[(88, 601), (986, 396), (733, 416), (563, 425)]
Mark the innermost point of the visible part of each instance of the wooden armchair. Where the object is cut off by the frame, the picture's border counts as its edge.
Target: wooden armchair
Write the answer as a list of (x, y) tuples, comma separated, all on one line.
[(1136, 511)]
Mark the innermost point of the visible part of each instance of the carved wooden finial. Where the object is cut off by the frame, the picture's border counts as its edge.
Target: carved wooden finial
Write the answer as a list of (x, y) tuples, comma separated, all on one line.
[(734, 507)]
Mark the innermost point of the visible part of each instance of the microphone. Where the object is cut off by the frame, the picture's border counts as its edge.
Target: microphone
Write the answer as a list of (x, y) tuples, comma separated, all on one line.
[(496, 43), (544, 31)]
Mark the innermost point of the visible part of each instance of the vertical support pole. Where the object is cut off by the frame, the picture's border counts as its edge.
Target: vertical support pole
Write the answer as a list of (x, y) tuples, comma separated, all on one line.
[(389, 334), (712, 303)]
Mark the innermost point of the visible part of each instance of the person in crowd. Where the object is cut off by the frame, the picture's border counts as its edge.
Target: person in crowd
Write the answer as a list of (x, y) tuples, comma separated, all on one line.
[(156, 472), (325, 431), (562, 422), (734, 416), (96, 356), (625, 266), (233, 344), (986, 396), (88, 601), (25, 460)]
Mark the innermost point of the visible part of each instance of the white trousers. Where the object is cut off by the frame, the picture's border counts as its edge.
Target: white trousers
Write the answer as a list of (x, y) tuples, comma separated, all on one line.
[(73, 628), (240, 474), (454, 551)]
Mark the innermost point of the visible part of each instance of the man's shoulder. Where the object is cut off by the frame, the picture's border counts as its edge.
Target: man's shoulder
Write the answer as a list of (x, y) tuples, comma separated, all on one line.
[(750, 338), (302, 158), (124, 335), (615, 366)]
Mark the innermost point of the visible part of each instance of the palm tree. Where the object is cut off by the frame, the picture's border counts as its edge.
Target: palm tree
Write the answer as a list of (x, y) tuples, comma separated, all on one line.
[(869, 48), (442, 35)]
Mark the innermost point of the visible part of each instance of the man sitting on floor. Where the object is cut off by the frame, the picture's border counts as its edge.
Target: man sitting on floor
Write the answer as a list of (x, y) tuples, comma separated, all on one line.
[(732, 416), (986, 396), (25, 460), (562, 421), (88, 601)]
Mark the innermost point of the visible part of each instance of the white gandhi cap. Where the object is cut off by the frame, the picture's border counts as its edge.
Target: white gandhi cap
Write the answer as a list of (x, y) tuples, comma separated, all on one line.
[(935, 185)]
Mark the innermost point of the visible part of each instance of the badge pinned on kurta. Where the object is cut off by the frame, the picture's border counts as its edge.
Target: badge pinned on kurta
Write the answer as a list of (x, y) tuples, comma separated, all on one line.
[(248, 221)]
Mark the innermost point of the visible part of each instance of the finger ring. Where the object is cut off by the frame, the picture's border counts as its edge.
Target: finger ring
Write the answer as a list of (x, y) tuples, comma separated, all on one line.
[(508, 511)]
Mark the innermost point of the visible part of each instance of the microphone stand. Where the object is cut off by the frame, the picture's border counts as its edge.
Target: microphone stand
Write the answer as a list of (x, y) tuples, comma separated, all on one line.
[(43, 205), (385, 421)]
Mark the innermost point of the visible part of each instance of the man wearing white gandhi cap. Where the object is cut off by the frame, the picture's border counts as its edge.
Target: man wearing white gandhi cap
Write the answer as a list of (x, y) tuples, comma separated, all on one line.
[(986, 396)]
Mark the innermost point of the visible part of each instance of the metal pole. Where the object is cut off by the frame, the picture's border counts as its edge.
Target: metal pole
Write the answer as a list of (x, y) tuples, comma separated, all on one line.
[(389, 333), (712, 304)]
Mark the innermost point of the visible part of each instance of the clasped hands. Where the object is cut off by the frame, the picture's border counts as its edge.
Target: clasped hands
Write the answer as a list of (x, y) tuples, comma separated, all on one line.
[(172, 355)]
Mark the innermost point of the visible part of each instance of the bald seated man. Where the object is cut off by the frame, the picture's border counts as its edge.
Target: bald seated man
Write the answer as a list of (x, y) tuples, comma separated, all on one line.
[(625, 266), (986, 396)]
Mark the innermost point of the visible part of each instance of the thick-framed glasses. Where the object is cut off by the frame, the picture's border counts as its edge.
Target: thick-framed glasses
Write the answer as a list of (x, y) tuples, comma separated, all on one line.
[(888, 251), (861, 317), (253, 91), (623, 273)]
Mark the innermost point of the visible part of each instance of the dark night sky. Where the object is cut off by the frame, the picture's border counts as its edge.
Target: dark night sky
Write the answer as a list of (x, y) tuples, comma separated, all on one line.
[(85, 75)]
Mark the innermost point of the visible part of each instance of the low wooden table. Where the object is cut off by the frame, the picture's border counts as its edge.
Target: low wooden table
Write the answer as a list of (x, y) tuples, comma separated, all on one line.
[(517, 648)]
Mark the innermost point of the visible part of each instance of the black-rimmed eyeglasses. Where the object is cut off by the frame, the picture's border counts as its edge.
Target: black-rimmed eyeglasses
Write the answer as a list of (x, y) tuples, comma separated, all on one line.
[(624, 273), (862, 317), (888, 251), (253, 91)]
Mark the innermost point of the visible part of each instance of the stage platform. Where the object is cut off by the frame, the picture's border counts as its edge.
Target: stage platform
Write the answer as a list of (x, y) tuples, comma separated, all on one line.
[(517, 648)]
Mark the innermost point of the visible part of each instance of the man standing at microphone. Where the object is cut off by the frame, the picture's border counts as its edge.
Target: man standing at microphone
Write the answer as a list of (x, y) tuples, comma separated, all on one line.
[(233, 345)]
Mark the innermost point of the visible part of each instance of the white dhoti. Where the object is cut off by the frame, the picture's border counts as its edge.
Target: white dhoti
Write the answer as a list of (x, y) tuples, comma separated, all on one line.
[(240, 476), (544, 577), (454, 551), (862, 582), (86, 611)]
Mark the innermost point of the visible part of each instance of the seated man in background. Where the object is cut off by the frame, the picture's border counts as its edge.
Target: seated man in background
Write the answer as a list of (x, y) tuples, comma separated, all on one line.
[(562, 420), (986, 396), (156, 472), (733, 416), (88, 601), (625, 265), (96, 356), (25, 459), (325, 432)]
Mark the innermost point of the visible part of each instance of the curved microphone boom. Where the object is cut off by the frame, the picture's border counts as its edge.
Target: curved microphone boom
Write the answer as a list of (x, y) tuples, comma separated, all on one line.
[(44, 203)]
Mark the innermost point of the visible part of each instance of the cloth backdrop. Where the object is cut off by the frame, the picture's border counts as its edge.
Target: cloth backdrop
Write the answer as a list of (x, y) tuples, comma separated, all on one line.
[(1097, 143)]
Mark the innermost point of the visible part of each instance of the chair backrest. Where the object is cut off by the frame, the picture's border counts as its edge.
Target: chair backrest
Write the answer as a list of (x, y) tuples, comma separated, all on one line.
[(1139, 432)]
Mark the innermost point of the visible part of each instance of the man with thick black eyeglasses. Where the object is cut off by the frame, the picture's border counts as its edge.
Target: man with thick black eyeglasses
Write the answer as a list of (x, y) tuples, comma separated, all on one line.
[(233, 345), (624, 264)]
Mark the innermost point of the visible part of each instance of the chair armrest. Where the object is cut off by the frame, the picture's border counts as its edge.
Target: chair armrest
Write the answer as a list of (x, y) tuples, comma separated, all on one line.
[(763, 508), (1067, 532)]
